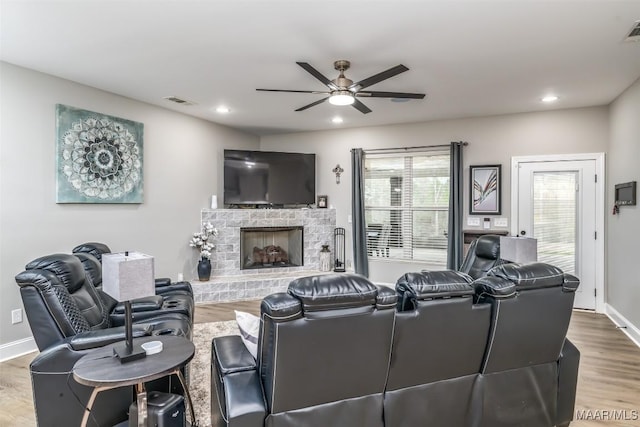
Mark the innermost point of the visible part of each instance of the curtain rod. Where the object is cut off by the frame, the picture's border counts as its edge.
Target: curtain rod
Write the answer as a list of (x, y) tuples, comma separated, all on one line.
[(412, 148)]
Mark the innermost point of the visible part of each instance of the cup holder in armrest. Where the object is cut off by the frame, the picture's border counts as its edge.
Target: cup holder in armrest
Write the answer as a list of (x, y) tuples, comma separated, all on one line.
[(166, 331)]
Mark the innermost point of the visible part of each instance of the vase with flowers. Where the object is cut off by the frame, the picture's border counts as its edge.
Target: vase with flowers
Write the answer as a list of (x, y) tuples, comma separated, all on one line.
[(202, 241)]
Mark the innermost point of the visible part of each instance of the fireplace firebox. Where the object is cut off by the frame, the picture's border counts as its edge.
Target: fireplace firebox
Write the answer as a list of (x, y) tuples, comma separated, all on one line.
[(271, 247)]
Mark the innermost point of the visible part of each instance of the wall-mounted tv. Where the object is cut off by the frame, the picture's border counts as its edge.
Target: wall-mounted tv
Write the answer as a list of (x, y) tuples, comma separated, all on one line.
[(269, 178)]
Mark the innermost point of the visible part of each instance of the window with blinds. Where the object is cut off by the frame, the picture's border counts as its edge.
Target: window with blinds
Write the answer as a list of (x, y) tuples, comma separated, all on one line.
[(406, 205)]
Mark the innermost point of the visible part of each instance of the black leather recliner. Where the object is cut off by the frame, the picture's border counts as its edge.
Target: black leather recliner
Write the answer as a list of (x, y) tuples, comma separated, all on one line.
[(530, 312), (164, 285), (482, 256), (323, 356), (142, 308), (68, 319), (464, 353), (438, 347)]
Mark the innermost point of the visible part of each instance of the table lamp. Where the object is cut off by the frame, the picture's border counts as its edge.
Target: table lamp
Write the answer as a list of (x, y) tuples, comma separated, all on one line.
[(519, 249), (127, 276)]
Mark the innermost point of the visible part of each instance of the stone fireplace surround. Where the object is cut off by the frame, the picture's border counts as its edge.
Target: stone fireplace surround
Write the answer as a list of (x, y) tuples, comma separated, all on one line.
[(230, 283)]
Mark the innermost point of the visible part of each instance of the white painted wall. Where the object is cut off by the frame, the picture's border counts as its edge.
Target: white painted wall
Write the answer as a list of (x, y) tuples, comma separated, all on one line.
[(182, 168), (492, 140), (624, 229)]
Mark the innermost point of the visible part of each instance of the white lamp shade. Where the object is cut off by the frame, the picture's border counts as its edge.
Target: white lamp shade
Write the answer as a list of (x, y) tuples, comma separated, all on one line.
[(127, 277), (519, 249)]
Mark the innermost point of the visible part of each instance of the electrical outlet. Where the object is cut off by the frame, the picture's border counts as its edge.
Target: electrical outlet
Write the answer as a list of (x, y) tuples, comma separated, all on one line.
[(16, 316)]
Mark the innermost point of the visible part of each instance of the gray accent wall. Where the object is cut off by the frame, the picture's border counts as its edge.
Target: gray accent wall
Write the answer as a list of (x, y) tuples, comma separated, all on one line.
[(182, 169), (492, 140), (623, 234)]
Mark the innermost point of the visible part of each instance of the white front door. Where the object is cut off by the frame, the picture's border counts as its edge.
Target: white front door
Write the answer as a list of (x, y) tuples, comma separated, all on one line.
[(557, 206)]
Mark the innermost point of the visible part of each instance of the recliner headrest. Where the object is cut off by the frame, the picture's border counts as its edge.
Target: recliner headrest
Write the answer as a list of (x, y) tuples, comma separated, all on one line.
[(66, 267), (488, 246), (435, 284), (530, 276), (92, 267), (94, 248), (333, 291)]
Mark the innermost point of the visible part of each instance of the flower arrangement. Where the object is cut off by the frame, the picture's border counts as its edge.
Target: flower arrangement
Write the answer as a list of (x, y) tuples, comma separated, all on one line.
[(201, 241)]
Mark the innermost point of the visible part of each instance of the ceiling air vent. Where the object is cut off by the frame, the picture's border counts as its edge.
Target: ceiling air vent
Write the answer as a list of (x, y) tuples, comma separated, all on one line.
[(634, 34), (178, 100)]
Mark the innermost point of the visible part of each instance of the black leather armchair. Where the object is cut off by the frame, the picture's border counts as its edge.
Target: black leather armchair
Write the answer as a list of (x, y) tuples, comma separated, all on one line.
[(164, 285), (68, 319), (323, 356), (482, 256)]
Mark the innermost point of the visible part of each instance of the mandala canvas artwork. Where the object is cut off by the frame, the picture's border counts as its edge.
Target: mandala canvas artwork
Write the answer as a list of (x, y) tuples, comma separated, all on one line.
[(99, 157)]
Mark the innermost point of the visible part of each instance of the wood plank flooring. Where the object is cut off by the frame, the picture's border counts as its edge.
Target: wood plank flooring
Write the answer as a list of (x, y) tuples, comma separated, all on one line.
[(609, 369)]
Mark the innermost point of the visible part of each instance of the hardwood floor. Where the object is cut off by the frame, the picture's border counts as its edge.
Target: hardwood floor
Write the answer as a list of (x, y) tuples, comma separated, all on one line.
[(609, 370)]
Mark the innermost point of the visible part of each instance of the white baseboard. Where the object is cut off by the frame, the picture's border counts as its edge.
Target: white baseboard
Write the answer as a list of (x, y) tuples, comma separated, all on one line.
[(623, 323), (17, 348)]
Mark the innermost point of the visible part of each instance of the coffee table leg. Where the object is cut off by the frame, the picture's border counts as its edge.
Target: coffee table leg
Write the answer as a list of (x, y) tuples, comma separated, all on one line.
[(142, 405), (186, 391)]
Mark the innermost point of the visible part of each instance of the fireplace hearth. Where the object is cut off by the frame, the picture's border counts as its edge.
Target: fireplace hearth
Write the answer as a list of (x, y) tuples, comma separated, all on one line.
[(271, 247)]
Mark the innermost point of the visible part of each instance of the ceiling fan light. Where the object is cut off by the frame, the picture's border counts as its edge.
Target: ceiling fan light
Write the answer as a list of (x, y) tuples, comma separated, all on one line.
[(342, 97)]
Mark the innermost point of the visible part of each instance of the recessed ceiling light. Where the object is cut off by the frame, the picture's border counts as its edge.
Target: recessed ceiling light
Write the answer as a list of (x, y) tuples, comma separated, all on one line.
[(337, 120), (223, 110), (550, 98)]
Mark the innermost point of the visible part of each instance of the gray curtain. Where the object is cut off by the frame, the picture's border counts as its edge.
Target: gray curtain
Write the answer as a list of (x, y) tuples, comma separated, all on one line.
[(360, 260), (454, 247)]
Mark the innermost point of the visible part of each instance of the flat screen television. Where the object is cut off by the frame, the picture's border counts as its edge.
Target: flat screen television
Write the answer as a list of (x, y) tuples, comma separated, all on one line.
[(269, 178)]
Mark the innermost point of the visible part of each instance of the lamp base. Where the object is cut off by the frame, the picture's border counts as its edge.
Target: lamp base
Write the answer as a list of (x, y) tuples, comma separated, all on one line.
[(129, 355)]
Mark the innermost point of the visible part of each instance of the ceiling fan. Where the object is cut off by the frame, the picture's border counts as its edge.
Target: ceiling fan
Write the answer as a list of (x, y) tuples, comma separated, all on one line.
[(343, 91)]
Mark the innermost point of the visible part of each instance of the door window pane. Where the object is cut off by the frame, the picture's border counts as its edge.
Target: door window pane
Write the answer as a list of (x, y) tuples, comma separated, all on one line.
[(554, 218)]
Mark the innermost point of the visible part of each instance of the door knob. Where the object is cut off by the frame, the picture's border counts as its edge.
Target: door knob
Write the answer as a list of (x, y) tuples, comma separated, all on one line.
[(522, 233)]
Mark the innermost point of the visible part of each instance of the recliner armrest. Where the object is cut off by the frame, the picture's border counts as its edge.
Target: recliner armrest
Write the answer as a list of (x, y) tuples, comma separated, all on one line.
[(162, 281), (237, 398), (101, 337), (231, 355), (141, 304)]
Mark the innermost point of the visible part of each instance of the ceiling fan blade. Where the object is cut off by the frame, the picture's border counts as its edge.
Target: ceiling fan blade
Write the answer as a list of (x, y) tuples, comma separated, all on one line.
[(361, 107), (378, 94), (315, 73), (377, 78), (313, 104), (292, 91)]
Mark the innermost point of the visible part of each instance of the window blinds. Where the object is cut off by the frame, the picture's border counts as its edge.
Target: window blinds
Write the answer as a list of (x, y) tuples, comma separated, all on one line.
[(406, 205)]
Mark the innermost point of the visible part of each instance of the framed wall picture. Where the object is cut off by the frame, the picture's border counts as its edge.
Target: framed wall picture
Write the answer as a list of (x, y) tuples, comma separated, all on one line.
[(485, 190), (322, 202), (98, 157)]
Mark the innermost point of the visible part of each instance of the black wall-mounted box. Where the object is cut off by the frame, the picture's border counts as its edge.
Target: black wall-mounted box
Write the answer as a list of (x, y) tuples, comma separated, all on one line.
[(625, 194)]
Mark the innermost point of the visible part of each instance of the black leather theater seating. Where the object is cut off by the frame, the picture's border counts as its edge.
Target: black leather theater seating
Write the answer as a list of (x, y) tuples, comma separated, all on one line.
[(441, 351), (68, 318)]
